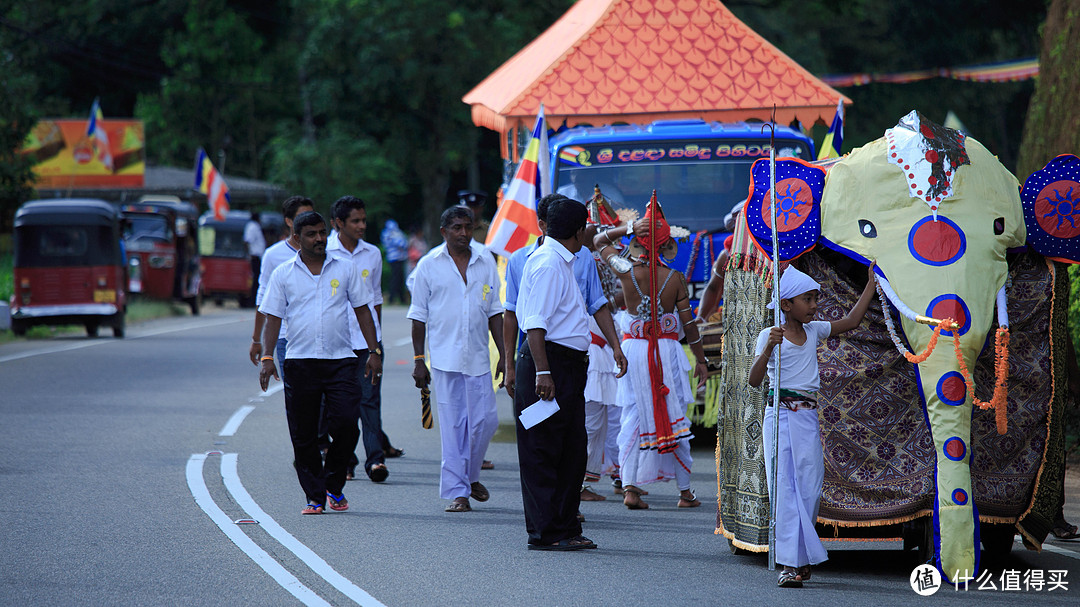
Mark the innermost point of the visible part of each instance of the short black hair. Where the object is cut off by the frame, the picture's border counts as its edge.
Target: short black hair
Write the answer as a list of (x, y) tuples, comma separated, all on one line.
[(255, 216), (544, 203), (565, 217), (293, 203), (345, 205), (449, 215), (307, 218)]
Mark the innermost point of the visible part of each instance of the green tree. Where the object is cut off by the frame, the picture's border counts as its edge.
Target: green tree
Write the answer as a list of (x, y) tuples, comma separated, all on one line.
[(222, 92), (17, 117)]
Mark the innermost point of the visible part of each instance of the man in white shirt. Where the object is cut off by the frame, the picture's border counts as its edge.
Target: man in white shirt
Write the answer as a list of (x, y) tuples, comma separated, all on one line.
[(256, 244), (552, 312), (455, 299), (275, 255), (317, 294), (350, 222)]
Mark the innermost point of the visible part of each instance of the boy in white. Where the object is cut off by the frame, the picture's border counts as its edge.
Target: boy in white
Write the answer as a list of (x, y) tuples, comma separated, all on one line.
[(800, 466), (455, 299)]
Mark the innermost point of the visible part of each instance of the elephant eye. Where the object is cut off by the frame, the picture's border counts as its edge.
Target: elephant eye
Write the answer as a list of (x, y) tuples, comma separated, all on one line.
[(867, 229), (999, 226)]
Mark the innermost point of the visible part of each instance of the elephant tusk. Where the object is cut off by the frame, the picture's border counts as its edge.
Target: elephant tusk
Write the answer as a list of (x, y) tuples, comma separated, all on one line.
[(1002, 308)]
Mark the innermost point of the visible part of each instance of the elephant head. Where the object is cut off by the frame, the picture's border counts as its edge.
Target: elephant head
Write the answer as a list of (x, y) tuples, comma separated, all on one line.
[(938, 212)]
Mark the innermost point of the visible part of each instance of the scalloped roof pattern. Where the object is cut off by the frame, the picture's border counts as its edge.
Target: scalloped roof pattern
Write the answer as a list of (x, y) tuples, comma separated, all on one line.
[(649, 59)]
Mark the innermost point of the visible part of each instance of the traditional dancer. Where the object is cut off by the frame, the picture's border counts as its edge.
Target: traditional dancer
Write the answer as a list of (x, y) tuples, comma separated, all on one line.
[(800, 467), (655, 437)]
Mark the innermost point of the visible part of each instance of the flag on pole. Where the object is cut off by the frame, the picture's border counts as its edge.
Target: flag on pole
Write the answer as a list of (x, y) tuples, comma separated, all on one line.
[(515, 225), (830, 146), (95, 130), (209, 182)]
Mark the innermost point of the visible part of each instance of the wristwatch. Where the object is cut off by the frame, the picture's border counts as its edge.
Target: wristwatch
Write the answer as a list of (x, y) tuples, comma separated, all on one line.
[(378, 350)]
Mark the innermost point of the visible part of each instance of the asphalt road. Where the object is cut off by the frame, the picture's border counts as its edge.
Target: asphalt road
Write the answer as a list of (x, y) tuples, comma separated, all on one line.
[(126, 464)]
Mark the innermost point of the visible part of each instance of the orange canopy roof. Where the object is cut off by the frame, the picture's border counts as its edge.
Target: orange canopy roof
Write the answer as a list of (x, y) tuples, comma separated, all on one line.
[(636, 61)]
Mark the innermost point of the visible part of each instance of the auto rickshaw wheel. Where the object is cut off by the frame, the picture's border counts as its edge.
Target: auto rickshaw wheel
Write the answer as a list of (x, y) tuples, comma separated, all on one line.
[(118, 325), (91, 329), (18, 327)]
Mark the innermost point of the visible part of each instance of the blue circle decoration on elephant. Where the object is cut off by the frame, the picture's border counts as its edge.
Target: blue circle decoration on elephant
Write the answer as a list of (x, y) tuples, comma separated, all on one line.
[(1051, 199), (937, 241), (959, 497), (955, 449), (950, 306), (798, 206), (952, 389)]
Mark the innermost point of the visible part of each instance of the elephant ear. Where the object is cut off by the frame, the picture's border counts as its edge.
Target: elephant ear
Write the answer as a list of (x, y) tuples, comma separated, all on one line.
[(1051, 201), (799, 185)]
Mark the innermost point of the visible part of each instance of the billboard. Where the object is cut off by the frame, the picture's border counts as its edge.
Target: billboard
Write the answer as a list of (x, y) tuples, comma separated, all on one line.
[(66, 157)]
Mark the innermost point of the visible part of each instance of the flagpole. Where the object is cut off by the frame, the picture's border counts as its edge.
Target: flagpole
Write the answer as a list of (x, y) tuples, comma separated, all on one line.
[(776, 323)]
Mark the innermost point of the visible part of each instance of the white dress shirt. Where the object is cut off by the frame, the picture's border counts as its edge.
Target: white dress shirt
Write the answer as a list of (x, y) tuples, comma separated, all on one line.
[(254, 238), (456, 311), (368, 261), (275, 255), (550, 299), (318, 308)]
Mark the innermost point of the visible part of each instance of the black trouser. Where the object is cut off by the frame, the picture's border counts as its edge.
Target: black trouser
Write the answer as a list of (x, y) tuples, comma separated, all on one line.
[(370, 416), (552, 454), (309, 382), (256, 269)]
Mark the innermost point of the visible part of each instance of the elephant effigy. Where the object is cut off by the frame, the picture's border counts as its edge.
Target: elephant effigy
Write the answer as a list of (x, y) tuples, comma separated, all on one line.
[(940, 407)]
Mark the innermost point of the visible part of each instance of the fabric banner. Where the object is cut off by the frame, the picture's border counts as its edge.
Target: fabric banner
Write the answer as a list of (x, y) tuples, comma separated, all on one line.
[(208, 181), (1006, 71), (514, 225), (66, 156)]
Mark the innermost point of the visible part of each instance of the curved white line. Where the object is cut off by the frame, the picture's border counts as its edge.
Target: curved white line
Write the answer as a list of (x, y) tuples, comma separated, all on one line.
[(274, 569), (234, 422), (276, 531)]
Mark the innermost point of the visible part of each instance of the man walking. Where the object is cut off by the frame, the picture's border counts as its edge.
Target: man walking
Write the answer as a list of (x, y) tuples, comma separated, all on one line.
[(350, 219), (256, 244), (455, 300), (552, 366), (275, 255), (317, 294)]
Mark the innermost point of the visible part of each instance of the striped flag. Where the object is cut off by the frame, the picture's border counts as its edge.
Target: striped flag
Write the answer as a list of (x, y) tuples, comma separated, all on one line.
[(515, 225), (830, 146), (95, 130), (209, 182)]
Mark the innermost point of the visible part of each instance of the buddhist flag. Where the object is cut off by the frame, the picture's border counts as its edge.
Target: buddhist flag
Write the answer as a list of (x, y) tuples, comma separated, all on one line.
[(209, 182), (95, 131), (830, 146), (514, 225)]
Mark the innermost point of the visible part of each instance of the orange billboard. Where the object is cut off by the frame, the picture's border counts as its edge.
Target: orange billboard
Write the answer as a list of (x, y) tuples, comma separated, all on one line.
[(66, 157)]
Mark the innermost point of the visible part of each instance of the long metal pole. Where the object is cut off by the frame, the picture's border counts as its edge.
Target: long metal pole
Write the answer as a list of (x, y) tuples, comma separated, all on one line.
[(776, 351)]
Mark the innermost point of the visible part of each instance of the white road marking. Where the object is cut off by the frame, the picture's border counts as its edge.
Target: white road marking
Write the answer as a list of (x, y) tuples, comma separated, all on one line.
[(276, 531), (97, 342), (234, 422), (274, 569)]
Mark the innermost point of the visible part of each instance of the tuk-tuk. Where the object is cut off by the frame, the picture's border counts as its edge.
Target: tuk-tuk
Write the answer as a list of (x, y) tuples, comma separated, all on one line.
[(162, 248), (226, 264), (69, 266)]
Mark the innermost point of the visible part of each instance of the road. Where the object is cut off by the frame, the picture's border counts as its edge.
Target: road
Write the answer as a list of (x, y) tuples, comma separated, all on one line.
[(126, 464)]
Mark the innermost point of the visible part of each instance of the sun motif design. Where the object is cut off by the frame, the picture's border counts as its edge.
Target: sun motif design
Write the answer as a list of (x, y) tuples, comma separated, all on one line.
[(793, 203), (1062, 206)]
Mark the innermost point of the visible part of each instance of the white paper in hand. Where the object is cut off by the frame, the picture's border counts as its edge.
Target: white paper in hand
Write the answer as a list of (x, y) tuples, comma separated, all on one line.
[(538, 412)]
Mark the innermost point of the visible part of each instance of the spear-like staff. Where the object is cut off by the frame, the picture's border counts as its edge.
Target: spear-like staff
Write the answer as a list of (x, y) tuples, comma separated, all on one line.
[(776, 351)]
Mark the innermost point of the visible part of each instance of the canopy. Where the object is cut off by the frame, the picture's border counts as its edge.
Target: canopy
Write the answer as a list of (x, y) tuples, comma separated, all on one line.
[(636, 61)]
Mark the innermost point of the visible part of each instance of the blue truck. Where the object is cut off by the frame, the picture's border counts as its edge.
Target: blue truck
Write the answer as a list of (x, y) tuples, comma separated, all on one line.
[(700, 170)]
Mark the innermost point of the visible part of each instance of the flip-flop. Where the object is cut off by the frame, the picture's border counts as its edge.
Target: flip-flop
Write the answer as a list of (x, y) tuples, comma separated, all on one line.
[(789, 578), (1065, 532), (479, 492), (312, 509), (393, 452), (337, 502), (693, 502), (378, 473), (487, 465)]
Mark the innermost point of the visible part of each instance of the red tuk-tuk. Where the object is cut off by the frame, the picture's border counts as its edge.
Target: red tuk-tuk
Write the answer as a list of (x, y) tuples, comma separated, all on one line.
[(162, 248), (226, 264), (69, 266)]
